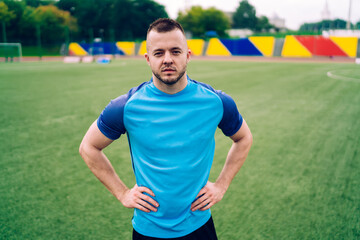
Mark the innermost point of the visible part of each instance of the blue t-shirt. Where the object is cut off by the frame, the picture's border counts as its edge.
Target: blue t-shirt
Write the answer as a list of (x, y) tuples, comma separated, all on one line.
[(171, 139)]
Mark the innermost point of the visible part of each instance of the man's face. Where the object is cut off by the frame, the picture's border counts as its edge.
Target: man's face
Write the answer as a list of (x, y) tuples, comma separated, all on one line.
[(167, 55)]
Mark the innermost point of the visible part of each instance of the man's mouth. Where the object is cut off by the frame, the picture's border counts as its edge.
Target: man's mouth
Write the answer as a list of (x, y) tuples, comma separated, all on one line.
[(168, 70)]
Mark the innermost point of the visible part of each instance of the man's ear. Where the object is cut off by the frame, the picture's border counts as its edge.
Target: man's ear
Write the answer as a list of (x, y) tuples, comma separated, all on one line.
[(146, 55), (188, 55)]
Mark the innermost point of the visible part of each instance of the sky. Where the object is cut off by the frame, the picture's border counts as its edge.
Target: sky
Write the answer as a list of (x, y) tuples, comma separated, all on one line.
[(295, 12)]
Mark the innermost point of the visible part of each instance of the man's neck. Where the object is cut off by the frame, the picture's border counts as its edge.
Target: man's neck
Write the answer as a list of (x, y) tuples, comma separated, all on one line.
[(171, 89)]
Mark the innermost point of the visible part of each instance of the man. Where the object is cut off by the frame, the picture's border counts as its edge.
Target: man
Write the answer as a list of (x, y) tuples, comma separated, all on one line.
[(170, 123)]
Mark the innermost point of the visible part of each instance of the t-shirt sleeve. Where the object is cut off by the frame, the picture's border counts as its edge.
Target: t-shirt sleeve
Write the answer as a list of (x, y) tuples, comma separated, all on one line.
[(232, 120), (111, 120)]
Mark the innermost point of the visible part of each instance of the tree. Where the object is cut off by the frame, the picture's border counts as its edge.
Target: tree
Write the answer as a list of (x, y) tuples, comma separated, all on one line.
[(191, 21), (93, 16), (36, 3), (263, 24), (144, 13), (216, 20), (125, 19), (12, 24), (198, 21), (27, 26), (5, 14), (245, 16), (339, 24), (324, 25), (121, 16), (53, 23), (5, 17), (85, 20), (68, 5)]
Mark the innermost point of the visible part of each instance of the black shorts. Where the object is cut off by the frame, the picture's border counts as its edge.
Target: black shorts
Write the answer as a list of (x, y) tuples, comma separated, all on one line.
[(206, 232)]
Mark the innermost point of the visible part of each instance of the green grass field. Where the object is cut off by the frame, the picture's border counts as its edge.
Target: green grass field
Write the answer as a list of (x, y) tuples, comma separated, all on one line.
[(300, 181)]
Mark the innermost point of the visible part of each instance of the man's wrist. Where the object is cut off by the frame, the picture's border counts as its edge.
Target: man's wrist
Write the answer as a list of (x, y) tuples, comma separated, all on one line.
[(222, 186), (121, 194)]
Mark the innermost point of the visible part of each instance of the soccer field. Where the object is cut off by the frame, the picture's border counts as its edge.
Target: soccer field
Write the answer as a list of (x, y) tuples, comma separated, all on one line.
[(301, 179)]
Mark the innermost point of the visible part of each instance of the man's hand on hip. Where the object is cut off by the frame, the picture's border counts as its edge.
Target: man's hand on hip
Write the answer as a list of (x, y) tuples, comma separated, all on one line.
[(135, 198), (210, 194)]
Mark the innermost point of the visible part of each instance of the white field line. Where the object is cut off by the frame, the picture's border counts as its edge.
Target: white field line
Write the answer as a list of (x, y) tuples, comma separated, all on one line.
[(331, 74)]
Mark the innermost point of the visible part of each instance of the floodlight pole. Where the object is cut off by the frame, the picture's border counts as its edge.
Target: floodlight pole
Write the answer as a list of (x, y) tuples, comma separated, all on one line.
[(348, 24), (38, 34), (91, 34), (4, 39), (112, 40), (67, 40)]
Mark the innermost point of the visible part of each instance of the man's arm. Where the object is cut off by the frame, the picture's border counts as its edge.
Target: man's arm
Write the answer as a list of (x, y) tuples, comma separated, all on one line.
[(91, 151), (214, 192)]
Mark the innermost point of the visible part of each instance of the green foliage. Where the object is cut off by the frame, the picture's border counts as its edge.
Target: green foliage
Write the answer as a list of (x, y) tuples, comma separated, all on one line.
[(27, 24), (13, 29), (49, 18), (191, 20), (263, 24), (37, 3), (16, 7), (140, 16), (52, 22), (92, 15), (285, 33), (83, 20), (216, 20), (198, 21), (324, 25), (245, 16), (124, 19), (5, 14)]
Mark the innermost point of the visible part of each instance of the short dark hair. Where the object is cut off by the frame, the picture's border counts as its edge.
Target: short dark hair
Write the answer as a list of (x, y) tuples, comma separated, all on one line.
[(165, 25)]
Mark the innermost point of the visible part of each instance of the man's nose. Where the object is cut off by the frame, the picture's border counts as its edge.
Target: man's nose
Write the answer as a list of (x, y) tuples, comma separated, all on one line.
[(167, 58)]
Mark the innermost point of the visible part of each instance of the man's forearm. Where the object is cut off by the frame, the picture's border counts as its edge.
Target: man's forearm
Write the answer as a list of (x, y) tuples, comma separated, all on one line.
[(214, 192), (234, 161), (103, 170)]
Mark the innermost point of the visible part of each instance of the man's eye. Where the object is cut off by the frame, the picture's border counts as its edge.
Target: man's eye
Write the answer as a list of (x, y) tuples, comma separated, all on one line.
[(157, 54), (176, 52)]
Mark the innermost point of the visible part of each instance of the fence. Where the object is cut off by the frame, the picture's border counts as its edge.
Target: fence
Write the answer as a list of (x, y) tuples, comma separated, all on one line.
[(290, 46)]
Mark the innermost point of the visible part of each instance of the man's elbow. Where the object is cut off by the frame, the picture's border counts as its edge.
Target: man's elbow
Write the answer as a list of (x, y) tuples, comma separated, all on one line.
[(250, 139), (82, 149), (87, 150), (86, 153), (246, 141)]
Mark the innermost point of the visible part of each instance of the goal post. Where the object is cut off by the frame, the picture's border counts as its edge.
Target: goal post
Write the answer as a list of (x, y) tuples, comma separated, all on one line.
[(11, 52)]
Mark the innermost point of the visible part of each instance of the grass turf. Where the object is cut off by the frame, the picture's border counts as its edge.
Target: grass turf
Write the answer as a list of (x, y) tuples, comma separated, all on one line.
[(300, 181)]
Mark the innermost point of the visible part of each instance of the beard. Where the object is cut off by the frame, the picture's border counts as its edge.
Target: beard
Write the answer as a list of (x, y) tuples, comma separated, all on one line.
[(172, 80)]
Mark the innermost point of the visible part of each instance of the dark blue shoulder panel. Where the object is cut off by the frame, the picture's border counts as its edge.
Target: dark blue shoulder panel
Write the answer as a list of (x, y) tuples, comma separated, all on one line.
[(232, 120), (111, 120)]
